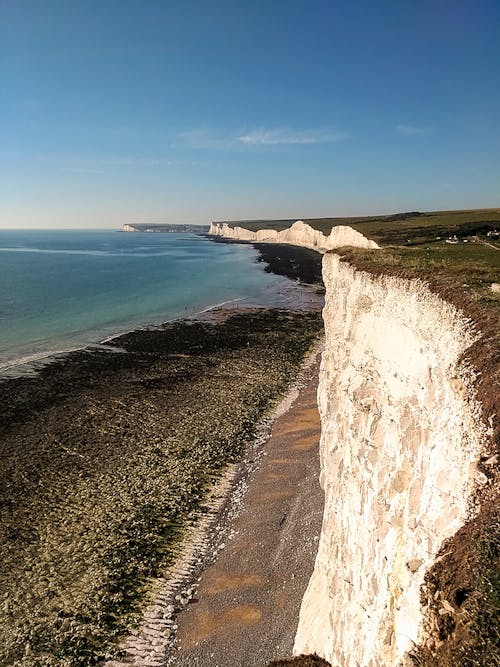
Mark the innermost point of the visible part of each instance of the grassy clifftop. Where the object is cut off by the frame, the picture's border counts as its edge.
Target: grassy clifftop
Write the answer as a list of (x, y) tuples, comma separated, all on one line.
[(462, 589), (399, 228)]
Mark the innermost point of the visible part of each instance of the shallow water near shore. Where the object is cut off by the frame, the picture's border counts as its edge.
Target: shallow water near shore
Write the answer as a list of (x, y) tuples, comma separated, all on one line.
[(62, 290)]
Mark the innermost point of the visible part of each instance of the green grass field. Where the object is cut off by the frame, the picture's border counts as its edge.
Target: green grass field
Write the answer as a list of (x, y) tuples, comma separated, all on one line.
[(472, 266)]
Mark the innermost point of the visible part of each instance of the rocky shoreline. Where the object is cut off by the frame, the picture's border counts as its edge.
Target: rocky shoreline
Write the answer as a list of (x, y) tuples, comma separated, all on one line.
[(111, 458), (108, 458), (243, 607), (216, 532), (294, 262), (107, 461)]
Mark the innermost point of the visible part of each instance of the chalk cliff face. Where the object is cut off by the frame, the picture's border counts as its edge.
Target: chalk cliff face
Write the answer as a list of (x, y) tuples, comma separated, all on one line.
[(299, 233), (400, 438)]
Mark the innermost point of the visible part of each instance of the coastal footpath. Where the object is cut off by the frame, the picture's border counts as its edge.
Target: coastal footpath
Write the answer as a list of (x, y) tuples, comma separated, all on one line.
[(403, 447)]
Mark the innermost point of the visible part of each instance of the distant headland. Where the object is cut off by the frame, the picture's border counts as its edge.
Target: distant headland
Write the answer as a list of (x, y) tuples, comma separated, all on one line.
[(147, 227)]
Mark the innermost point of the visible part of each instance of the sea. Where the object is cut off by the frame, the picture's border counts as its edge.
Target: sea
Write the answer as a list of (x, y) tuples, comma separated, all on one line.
[(64, 290)]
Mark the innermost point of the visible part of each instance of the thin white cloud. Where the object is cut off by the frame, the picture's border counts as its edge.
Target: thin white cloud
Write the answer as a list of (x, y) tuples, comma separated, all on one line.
[(277, 137), (204, 139), (412, 130)]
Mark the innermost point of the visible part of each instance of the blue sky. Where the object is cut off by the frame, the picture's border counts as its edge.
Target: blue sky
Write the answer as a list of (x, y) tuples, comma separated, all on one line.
[(115, 111)]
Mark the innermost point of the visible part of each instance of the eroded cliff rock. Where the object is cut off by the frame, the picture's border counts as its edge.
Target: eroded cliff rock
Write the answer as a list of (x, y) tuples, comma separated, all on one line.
[(399, 445), (300, 233)]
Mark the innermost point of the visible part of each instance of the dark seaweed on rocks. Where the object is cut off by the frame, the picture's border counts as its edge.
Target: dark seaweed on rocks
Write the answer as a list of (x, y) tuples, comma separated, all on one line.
[(294, 262), (282, 259), (106, 457), (301, 661)]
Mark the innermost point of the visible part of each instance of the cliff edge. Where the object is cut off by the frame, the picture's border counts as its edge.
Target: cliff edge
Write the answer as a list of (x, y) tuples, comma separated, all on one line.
[(407, 464), (401, 435)]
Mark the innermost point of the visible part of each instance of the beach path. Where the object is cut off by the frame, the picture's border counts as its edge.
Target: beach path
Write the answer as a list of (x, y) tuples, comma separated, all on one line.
[(246, 608)]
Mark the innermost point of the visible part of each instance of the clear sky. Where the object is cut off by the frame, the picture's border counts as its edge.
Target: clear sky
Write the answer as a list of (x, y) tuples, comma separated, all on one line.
[(116, 111)]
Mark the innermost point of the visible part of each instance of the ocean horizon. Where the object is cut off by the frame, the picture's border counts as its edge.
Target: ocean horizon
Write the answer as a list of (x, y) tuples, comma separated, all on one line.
[(65, 289)]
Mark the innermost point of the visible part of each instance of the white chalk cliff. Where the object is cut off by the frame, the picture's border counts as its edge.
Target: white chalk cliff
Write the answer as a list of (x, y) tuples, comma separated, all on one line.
[(401, 435), (300, 233), (399, 444)]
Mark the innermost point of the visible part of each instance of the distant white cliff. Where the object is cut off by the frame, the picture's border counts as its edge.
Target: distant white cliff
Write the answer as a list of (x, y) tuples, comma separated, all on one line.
[(399, 445), (300, 233)]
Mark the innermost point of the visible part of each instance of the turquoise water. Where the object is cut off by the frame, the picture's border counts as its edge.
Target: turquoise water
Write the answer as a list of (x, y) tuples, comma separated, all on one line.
[(64, 289)]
